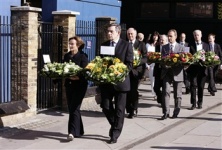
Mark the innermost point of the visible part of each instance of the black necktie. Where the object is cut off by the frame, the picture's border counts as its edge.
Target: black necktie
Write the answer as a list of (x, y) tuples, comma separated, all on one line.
[(171, 48), (131, 43), (211, 47), (112, 43)]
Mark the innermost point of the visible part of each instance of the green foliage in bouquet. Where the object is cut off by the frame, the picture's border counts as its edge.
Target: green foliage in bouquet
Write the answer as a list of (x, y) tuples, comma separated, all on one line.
[(106, 70), (60, 70), (136, 57), (206, 59)]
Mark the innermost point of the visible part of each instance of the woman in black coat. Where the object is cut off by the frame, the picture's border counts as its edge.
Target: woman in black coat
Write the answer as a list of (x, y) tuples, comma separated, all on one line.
[(76, 87)]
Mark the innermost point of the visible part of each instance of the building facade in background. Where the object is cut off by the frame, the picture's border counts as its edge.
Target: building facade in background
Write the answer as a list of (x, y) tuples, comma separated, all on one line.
[(183, 15)]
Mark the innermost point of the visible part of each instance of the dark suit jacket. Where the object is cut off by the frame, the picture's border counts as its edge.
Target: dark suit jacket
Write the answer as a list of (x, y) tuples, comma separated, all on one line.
[(218, 51), (124, 52), (193, 69), (81, 60), (185, 44), (177, 71), (138, 71), (157, 68)]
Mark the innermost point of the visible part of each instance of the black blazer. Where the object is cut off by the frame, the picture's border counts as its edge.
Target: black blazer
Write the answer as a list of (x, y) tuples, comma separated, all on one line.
[(157, 68), (80, 59), (218, 51), (139, 71), (124, 52), (193, 69)]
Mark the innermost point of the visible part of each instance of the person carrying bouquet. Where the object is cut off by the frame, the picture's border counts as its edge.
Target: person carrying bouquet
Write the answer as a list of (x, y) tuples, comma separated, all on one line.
[(214, 47), (172, 75), (151, 47), (115, 112), (158, 82), (136, 74), (75, 87), (198, 73)]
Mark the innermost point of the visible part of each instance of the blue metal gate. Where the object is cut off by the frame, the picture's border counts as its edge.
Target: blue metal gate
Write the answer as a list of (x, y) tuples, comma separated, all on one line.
[(5, 59)]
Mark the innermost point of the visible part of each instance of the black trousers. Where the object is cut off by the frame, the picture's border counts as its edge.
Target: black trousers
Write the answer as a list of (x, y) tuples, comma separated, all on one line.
[(75, 95), (132, 99), (211, 78), (158, 84), (113, 110), (186, 77), (197, 83)]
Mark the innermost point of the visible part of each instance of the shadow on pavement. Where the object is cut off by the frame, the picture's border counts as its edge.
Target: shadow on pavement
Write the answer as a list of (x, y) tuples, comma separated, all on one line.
[(27, 134), (184, 148), (92, 113)]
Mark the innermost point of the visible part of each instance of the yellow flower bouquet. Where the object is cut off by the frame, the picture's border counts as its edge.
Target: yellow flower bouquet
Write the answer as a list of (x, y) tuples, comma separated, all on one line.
[(153, 57), (175, 59), (106, 70)]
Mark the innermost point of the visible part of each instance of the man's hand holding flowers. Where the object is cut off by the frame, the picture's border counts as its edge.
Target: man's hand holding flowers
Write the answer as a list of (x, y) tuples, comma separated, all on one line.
[(136, 57)]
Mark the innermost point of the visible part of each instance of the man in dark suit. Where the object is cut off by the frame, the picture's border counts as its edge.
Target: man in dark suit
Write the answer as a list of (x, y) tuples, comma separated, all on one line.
[(158, 82), (115, 114), (172, 75), (214, 47), (136, 74), (197, 73), (185, 75)]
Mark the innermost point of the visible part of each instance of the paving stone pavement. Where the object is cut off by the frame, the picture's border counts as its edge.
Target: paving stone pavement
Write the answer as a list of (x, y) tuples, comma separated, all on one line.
[(193, 129)]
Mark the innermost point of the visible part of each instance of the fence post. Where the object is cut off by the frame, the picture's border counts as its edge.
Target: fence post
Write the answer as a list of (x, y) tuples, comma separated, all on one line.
[(67, 19), (101, 36), (24, 56)]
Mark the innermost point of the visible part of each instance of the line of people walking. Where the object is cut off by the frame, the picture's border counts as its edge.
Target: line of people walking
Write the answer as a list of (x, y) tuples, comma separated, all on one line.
[(124, 97)]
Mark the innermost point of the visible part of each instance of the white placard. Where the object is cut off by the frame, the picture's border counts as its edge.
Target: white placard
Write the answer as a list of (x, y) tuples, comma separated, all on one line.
[(151, 49), (107, 50), (46, 58), (199, 47), (186, 49)]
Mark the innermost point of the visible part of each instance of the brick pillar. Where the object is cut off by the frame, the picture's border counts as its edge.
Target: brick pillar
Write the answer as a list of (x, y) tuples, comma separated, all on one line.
[(101, 36), (67, 19), (24, 56)]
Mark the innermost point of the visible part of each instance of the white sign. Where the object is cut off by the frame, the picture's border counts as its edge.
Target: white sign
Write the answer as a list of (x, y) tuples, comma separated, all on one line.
[(151, 49), (199, 47), (88, 44), (107, 50), (186, 49), (46, 58)]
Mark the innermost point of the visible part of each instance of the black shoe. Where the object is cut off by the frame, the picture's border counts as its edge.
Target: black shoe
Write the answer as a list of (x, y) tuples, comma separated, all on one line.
[(130, 116), (112, 141), (187, 90), (212, 93), (174, 116), (165, 116), (199, 106), (192, 107)]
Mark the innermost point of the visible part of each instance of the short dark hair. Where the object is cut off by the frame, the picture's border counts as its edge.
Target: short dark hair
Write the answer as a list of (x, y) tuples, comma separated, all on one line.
[(117, 26), (211, 34)]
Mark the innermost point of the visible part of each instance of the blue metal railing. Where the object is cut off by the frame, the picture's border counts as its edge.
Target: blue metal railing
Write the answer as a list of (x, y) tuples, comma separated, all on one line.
[(5, 59), (87, 31)]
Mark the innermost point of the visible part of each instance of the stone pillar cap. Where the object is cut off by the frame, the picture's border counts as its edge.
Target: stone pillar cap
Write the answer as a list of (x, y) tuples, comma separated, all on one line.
[(65, 12), (26, 8)]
